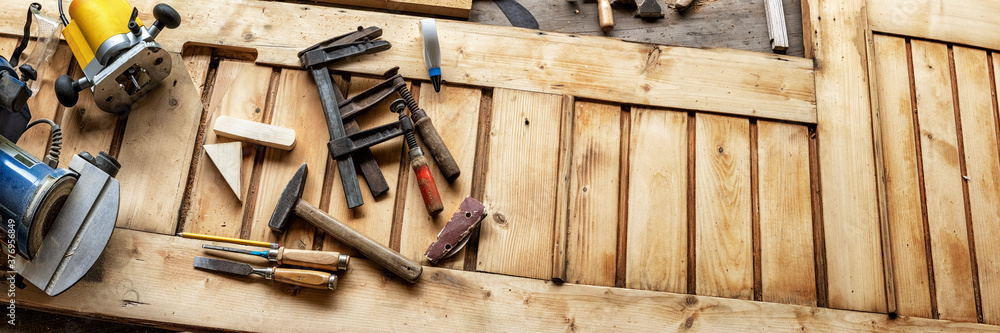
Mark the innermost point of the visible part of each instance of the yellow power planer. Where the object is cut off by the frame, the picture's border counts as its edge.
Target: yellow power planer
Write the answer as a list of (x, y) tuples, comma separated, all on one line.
[(121, 62)]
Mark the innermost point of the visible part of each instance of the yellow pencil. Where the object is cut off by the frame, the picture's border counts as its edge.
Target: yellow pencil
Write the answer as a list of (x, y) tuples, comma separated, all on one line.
[(228, 240)]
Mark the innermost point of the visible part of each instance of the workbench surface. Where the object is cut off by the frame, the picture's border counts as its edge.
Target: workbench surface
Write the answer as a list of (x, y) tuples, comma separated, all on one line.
[(712, 189)]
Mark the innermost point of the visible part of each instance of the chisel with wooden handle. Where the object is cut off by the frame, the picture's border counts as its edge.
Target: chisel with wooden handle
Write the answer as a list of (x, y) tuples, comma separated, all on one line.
[(325, 260), (298, 277)]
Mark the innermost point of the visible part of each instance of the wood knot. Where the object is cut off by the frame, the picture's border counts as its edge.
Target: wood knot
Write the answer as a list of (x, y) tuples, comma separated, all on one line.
[(499, 218), (173, 102), (721, 150), (690, 300)]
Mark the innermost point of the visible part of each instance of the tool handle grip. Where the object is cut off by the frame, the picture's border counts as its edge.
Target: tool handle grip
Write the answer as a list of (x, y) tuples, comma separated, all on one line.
[(604, 15), (384, 256), (442, 156), (428, 189), (325, 260), (306, 278)]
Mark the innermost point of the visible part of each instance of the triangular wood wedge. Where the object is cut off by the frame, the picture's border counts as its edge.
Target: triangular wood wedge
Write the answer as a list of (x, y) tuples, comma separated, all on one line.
[(228, 158)]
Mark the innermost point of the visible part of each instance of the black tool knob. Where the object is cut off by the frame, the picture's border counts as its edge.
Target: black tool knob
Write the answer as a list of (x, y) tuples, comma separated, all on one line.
[(27, 73), (67, 90), (107, 164), (166, 16)]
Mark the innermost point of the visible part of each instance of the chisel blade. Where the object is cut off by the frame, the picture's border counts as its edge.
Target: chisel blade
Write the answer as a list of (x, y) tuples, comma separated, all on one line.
[(220, 265)]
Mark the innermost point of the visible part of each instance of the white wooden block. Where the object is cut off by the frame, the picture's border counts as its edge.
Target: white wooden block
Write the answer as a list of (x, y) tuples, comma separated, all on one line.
[(776, 25), (228, 158), (254, 132)]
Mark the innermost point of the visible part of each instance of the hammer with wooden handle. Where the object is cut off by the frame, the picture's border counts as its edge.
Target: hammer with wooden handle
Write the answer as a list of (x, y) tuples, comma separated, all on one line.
[(290, 202)]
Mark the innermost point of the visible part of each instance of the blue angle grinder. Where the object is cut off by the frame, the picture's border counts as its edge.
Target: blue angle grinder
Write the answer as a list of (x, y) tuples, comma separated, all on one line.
[(55, 221)]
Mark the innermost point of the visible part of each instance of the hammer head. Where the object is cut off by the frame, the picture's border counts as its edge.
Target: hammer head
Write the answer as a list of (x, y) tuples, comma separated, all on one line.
[(289, 197)]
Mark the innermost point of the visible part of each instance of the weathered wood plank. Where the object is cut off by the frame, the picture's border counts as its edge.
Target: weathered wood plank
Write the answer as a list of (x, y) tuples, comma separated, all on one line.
[(905, 212), (592, 237), (737, 25), (979, 125), (718, 80), (153, 283), (846, 155), (154, 174), (297, 106), (374, 218), (970, 22), (722, 204), (240, 91), (943, 182), (788, 271), (198, 59), (521, 184), (455, 112), (657, 201)]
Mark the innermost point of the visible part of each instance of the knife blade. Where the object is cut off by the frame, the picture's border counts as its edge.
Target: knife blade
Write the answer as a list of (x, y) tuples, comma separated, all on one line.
[(226, 266), (517, 15)]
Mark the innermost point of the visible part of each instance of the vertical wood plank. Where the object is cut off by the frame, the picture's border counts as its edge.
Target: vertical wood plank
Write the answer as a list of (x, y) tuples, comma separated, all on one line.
[(154, 174), (788, 274), (902, 178), (44, 103), (592, 237), (374, 218), (521, 184), (657, 207), (455, 111), (296, 106), (975, 99), (198, 59), (722, 172), (559, 228), (855, 277), (943, 182), (240, 91)]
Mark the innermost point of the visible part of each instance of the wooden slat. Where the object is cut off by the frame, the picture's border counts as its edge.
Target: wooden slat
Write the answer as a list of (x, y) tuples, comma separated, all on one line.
[(43, 104), (297, 106), (153, 283), (240, 91), (154, 174), (850, 213), (198, 59), (521, 184), (788, 272), (722, 204), (563, 191), (374, 218), (902, 178), (970, 22), (455, 112), (979, 125), (943, 182), (987, 252), (592, 236), (718, 80), (657, 201)]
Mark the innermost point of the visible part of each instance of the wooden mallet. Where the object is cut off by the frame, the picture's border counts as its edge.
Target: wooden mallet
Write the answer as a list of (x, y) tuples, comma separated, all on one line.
[(291, 202)]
